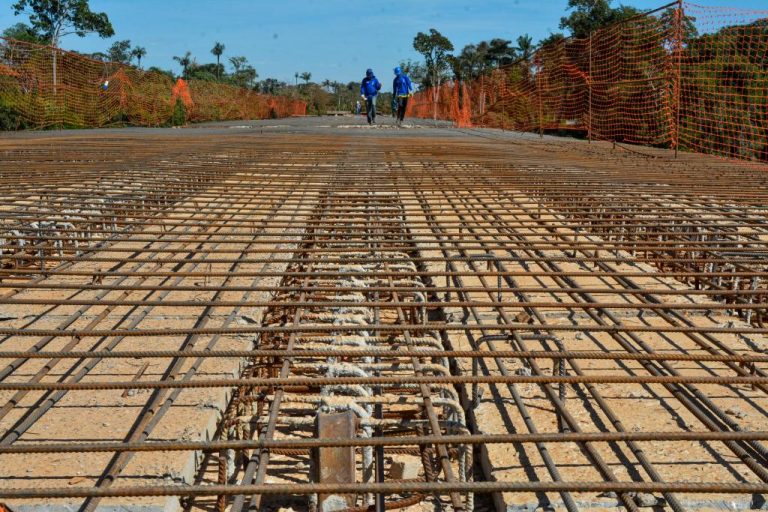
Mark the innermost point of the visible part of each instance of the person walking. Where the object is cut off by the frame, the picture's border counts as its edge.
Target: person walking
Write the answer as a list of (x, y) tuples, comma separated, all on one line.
[(369, 88), (402, 89)]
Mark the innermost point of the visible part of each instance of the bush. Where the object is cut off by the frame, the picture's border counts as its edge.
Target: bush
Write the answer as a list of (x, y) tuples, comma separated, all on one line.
[(179, 115), (10, 117)]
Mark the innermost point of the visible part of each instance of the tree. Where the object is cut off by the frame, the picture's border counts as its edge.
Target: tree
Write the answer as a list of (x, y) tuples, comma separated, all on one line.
[(207, 72), (54, 19), (296, 76), (184, 62), (471, 61), (552, 39), (238, 63), (434, 47), (120, 51), (306, 76), (100, 56), (590, 15), (525, 46), (669, 21), (139, 53), (271, 85), (246, 77), (500, 53), (218, 51), (23, 32), (245, 74)]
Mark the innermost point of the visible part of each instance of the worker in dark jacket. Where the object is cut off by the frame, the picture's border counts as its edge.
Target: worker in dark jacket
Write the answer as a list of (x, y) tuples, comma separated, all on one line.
[(402, 89), (369, 88)]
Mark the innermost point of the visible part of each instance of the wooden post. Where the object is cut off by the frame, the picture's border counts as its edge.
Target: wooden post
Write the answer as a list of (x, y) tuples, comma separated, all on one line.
[(541, 103), (679, 15), (589, 84)]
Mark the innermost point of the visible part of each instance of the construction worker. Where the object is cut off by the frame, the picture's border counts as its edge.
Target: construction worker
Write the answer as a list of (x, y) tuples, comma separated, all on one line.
[(369, 88), (402, 89)]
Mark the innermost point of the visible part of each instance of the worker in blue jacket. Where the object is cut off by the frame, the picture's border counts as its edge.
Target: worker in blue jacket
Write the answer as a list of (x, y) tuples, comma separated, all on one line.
[(402, 89), (369, 88)]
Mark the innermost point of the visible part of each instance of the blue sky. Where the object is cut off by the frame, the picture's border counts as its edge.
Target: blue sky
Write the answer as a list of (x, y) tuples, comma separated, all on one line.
[(334, 39)]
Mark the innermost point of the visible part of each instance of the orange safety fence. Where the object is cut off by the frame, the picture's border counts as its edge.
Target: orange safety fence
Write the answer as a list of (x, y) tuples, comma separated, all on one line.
[(42, 87), (681, 76)]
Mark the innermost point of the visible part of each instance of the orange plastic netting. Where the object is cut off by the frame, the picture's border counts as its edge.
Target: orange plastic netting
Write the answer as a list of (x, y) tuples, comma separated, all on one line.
[(682, 76), (42, 86)]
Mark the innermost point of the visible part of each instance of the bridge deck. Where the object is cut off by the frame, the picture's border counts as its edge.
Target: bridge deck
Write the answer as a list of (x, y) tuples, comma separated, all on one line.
[(607, 305)]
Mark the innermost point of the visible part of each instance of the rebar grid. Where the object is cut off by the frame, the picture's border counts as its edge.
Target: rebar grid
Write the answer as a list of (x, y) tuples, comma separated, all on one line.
[(560, 318)]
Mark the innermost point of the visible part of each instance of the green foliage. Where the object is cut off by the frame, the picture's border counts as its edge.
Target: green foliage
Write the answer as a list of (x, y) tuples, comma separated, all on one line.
[(244, 74), (415, 70), (138, 53), (185, 62), (23, 32), (120, 51), (525, 46), (471, 62), (500, 53), (590, 15), (179, 115), (10, 116), (218, 51), (725, 98), (478, 59), (201, 73), (552, 39), (668, 20), (238, 62), (54, 19), (434, 47), (208, 72), (271, 86), (166, 72), (384, 103)]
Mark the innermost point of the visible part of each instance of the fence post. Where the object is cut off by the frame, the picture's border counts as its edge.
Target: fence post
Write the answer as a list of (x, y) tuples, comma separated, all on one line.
[(504, 96), (541, 103), (55, 69), (589, 84), (678, 79)]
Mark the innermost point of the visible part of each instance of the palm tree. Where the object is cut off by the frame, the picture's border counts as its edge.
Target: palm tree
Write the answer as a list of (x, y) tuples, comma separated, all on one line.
[(218, 51), (184, 62), (139, 53), (500, 53), (525, 46), (296, 76), (306, 76)]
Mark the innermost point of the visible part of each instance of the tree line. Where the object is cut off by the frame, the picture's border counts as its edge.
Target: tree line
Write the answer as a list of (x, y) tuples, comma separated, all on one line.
[(715, 87), (476, 59), (52, 20)]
